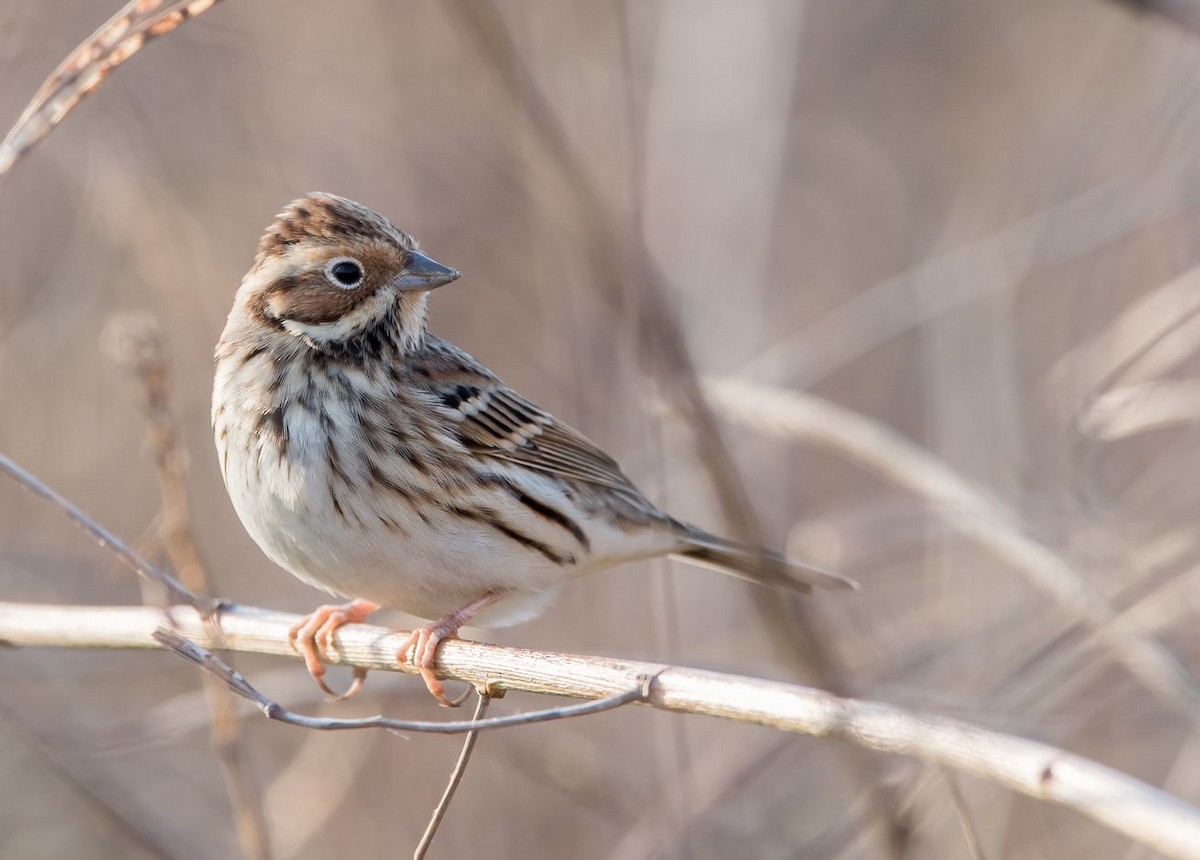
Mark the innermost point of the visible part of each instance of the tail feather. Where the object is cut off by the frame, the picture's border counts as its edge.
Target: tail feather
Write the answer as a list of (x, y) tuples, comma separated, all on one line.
[(761, 566)]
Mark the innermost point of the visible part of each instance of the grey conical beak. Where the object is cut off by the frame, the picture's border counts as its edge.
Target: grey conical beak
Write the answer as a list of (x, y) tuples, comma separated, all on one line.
[(424, 273)]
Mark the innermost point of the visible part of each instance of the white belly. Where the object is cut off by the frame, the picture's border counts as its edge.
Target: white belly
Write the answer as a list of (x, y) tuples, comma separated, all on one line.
[(422, 559)]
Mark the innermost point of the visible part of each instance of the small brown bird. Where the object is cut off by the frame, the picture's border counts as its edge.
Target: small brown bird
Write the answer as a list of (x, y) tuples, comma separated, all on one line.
[(378, 462)]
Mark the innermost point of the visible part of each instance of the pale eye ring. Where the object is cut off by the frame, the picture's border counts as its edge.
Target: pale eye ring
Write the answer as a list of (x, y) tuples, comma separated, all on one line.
[(345, 273)]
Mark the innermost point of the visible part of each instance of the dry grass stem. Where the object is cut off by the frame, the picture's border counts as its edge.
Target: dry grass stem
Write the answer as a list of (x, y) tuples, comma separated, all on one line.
[(85, 68), (135, 340), (1132, 409), (1153, 336), (963, 812), (969, 510)]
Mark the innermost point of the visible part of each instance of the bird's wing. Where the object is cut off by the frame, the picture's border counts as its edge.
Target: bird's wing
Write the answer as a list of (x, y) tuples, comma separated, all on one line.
[(495, 420)]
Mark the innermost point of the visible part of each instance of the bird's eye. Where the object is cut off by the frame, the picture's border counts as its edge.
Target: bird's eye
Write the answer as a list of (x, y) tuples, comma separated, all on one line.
[(344, 272)]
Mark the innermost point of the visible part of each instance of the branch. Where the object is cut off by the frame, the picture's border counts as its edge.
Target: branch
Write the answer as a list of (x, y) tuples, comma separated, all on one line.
[(1141, 812), (85, 68)]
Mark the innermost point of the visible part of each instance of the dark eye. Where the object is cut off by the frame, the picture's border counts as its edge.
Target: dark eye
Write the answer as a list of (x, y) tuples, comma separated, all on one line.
[(344, 272)]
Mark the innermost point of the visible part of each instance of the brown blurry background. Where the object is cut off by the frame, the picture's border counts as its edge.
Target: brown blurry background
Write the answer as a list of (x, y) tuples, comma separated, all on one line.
[(957, 218)]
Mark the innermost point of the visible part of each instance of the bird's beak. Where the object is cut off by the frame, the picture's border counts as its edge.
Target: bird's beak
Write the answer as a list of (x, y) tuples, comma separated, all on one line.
[(424, 273)]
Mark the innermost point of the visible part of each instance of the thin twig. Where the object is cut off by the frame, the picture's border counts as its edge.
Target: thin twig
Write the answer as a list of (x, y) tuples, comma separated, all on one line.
[(135, 340), (174, 588), (963, 812), (237, 682), (460, 768), (1127, 805), (85, 68)]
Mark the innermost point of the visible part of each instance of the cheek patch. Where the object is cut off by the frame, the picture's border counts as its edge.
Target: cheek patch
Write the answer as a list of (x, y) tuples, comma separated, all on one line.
[(364, 312)]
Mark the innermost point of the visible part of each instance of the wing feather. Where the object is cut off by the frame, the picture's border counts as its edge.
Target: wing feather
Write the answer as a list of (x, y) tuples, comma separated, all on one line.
[(495, 420)]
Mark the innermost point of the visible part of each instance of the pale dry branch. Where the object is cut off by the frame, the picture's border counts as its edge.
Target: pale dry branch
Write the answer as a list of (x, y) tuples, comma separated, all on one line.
[(968, 509), (85, 68), (1140, 408), (1141, 812), (1152, 337)]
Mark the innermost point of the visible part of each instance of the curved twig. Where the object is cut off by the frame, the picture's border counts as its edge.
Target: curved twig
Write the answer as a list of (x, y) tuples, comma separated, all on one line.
[(237, 682), (174, 588)]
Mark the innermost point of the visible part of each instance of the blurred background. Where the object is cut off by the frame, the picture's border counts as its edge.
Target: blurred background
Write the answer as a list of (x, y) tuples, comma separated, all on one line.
[(972, 223)]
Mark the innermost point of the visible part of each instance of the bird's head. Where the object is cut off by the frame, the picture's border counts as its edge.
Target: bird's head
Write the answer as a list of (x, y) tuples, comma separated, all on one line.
[(329, 271)]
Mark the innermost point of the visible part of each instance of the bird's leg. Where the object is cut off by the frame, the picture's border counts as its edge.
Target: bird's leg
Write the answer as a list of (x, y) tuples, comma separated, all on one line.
[(424, 641), (313, 637)]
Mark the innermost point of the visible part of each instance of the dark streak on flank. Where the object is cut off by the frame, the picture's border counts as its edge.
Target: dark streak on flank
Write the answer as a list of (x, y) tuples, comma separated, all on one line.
[(335, 463), (490, 518), (378, 477), (539, 507), (273, 425), (392, 524)]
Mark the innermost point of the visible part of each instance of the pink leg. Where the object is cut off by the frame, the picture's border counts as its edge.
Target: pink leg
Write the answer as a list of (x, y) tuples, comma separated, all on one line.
[(313, 637), (424, 641)]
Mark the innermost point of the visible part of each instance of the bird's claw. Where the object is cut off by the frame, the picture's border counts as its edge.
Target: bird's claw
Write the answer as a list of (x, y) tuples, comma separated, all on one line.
[(313, 638)]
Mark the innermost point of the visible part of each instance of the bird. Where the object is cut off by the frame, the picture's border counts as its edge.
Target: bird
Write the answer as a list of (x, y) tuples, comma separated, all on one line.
[(382, 464)]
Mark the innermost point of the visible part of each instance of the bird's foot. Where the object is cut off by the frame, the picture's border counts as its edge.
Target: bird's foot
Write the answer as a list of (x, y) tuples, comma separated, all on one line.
[(424, 641), (313, 638)]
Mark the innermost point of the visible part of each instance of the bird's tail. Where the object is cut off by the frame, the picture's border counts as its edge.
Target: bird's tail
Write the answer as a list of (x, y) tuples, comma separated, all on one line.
[(761, 566)]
